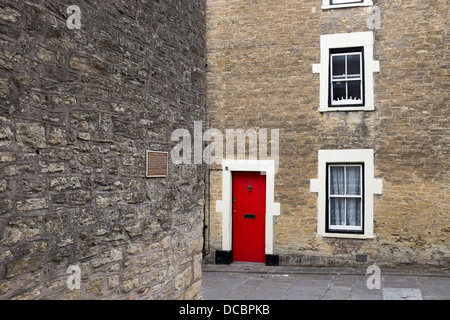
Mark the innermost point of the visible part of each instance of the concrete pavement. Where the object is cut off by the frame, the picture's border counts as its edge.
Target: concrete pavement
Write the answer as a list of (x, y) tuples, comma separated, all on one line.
[(249, 281)]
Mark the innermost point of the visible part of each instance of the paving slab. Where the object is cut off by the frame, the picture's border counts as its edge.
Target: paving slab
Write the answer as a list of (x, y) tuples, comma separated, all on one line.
[(401, 294), (258, 282), (406, 281), (433, 288)]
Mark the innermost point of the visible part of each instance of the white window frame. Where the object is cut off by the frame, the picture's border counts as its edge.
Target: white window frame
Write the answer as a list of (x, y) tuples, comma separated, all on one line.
[(372, 186), (347, 78), (334, 4), (342, 41), (342, 228)]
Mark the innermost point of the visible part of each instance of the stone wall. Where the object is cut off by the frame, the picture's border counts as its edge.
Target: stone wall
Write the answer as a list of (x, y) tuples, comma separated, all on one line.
[(78, 110), (260, 56)]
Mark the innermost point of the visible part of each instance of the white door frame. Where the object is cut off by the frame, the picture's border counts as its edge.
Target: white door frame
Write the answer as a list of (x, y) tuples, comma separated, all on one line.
[(225, 206)]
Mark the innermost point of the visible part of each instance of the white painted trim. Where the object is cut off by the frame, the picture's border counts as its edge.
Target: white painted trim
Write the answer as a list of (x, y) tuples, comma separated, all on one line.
[(326, 4), (225, 205), (347, 40), (371, 186)]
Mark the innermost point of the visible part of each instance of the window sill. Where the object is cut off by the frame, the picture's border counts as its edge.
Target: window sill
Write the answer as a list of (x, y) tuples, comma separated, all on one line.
[(346, 5), (347, 109), (345, 235)]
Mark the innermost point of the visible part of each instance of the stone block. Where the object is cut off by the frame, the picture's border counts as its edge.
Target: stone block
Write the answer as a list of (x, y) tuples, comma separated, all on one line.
[(87, 64), (183, 279), (19, 229), (51, 167), (6, 205), (113, 281), (62, 183), (24, 265), (79, 198), (104, 201), (6, 137), (58, 137), (32, 204), (30, 295), (95, 286), (4, 287), (107, 257), (194, 291), (31, 135), (7, 157), (129, 285)]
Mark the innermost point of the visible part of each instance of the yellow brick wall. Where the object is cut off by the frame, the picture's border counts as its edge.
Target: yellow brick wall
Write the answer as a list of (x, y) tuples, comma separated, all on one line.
[(259, 75)]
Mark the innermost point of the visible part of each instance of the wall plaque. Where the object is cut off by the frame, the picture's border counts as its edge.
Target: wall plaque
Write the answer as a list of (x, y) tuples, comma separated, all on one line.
[(156, 164)]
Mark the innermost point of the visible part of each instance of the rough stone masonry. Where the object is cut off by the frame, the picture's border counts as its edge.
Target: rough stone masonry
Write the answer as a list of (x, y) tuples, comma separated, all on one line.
[(260, 56), (79, 108)]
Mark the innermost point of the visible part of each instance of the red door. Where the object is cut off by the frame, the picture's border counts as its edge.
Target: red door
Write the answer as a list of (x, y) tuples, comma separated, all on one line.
[(249, 216)]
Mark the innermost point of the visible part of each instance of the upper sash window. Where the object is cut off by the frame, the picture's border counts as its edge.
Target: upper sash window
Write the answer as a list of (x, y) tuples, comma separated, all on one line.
[(346, 79)]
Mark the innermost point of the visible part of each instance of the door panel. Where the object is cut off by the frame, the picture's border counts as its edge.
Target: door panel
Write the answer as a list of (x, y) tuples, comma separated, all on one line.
[(249, 216)]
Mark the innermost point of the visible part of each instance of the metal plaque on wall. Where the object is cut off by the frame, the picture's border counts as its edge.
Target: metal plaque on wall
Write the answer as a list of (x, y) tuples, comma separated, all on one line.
[(156, 164)]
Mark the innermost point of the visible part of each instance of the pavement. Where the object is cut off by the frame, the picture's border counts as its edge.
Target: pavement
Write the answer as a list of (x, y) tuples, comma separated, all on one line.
[(250, 281)]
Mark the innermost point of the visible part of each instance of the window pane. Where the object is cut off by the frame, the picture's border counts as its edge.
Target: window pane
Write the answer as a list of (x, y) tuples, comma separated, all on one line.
[(338, 65), (353, 215), (337, 211), (354, 91), (339, 91), (353, 180), (354, 64), (337, 186)]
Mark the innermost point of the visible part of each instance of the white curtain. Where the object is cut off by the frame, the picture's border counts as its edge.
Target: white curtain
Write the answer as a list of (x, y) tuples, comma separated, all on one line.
[(353, 180), (337, 205), (353, 188), (345, 181)]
